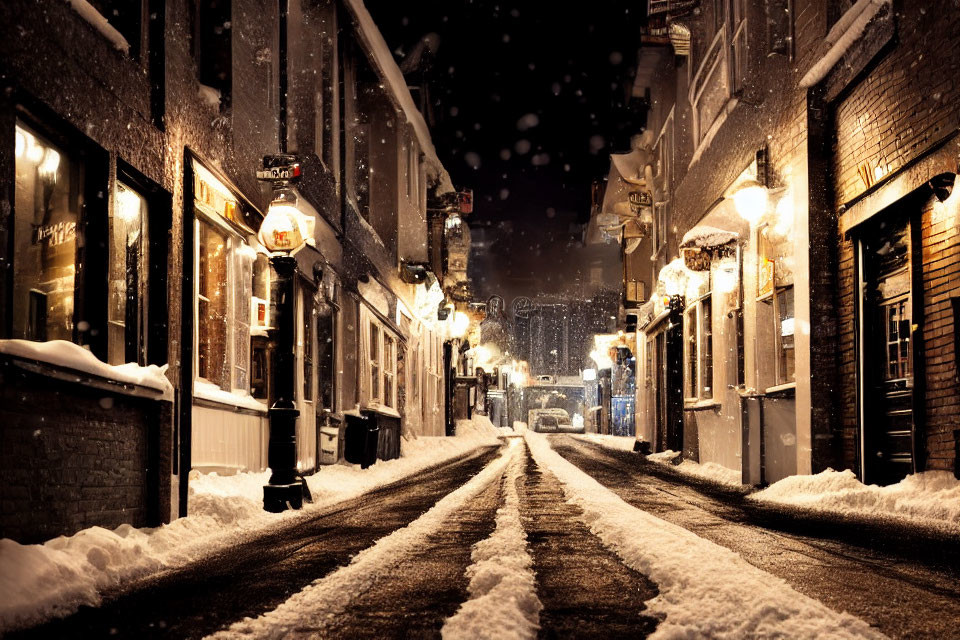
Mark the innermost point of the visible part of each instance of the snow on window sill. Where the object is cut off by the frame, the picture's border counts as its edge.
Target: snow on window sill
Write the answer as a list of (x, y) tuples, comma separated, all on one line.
[(235, 399)]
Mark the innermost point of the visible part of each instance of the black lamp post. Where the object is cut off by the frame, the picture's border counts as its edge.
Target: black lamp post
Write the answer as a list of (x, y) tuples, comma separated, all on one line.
[(282, 232)]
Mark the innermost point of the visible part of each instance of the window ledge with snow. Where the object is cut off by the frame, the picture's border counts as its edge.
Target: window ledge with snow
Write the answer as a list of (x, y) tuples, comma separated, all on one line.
[(781, 389), (211, 394), (72, 363), (382, 409)]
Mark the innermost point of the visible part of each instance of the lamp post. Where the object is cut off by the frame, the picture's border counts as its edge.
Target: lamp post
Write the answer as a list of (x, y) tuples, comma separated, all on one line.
[(282, 232)]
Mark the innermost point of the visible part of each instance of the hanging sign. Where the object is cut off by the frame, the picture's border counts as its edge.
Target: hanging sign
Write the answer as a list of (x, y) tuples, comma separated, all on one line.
[(765, 277)]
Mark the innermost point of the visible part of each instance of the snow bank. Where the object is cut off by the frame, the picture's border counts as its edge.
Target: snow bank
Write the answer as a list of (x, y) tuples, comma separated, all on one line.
[(42, 581), (706, 591), (707, 471), (930, 498), (503, 591), (619, 443), (306, 613), (72, 356)]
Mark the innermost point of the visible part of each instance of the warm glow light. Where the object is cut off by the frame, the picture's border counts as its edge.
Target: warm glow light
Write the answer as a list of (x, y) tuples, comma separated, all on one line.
[(459, 325), (21, 142), (51, 162), (751, 201), (784, 223), (282, 228), (34, 149), (725, 278), (589, 375), (127, 204)]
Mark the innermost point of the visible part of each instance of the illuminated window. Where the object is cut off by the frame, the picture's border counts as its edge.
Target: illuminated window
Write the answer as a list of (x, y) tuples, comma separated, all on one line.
[(128, 285), (389, 371), (374, 363), (698, 350), (49, 184), (212, 306)]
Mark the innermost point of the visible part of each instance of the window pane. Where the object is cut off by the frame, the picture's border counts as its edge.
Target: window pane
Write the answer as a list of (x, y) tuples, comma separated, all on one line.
[(691, 322), (127, 281), (374, 362), (307, 346), (46, 214), (787, 353), (706, 346), (213, 307)]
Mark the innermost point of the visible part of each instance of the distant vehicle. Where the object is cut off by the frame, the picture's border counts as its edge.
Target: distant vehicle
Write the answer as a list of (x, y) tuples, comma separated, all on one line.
[(553, 421)]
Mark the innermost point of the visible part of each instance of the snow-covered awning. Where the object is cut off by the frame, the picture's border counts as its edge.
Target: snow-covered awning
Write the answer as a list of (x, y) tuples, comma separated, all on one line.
[(394, 80), (707, 237), (632, 166)]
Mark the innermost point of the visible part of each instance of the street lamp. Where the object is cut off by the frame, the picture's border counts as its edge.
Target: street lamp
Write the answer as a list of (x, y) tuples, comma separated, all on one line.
[(282, 232)]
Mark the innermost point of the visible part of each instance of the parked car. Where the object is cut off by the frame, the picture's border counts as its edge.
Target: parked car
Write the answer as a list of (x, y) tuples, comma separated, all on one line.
[(553, 421), (546, 424)]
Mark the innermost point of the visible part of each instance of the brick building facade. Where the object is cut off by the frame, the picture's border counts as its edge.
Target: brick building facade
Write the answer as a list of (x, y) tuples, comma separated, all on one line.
[(130, 137), (792, 144)]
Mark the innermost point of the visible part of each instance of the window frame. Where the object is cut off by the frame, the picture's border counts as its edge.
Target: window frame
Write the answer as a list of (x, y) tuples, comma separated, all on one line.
[(698, 348)]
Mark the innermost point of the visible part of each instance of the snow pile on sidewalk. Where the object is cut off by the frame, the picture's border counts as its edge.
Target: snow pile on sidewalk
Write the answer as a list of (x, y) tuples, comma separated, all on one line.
[(706, 591), (708, 471), (620, 443), (503, 591), (42, 581), (931, 497), (306, 613)]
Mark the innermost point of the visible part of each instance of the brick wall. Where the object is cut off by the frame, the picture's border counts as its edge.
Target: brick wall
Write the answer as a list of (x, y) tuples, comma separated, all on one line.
[(901, 108), (87, 458)]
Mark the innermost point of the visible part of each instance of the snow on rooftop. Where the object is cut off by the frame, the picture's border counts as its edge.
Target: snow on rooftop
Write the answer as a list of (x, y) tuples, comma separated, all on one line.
[(847, 30), (705, 590), (68, 355), (930, 498), (89, 13), (393, 77)]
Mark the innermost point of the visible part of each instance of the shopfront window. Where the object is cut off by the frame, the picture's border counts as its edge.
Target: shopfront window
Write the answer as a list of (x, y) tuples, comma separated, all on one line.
[(307, 333), (47, 214), (698, 324), (374, 362), (389, 371), (775, 309), (128, 282), (212, 305)]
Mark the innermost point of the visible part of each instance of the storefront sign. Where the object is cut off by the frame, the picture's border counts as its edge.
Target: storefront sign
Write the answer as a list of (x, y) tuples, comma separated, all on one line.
[(765, 277), (641, 199), (55, 234)]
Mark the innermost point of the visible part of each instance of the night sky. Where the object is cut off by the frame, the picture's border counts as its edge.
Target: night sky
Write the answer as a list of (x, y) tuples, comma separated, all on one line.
[(526, 98)]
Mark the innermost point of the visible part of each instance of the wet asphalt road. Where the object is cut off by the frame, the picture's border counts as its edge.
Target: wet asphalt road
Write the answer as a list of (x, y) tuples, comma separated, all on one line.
[(905, 586), (585, 590), (904, 592)]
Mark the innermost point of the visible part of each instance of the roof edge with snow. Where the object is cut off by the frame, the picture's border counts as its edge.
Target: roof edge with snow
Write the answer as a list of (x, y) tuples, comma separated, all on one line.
[(393, 77)]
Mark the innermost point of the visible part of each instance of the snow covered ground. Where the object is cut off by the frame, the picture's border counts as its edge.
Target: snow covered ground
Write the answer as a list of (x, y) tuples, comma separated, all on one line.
[(930, 498), (709, 471), (706, 591), (42, 581), (305, 614)]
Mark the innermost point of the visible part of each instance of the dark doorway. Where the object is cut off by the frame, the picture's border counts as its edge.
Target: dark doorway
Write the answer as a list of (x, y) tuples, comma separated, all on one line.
[(887, 328)]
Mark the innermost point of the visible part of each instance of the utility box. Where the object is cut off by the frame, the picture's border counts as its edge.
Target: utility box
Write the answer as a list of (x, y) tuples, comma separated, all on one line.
[(329, 444), (362, 435)]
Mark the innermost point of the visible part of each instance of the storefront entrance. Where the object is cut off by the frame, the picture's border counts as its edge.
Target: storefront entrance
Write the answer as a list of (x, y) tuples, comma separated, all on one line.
[(887, 327)]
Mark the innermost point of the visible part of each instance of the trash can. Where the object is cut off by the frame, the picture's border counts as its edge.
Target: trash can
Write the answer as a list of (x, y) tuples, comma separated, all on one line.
[(329, 444), (361, 435)]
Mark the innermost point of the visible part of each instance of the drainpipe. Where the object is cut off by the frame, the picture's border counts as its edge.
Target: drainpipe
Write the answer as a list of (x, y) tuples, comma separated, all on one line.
[(284, 6)]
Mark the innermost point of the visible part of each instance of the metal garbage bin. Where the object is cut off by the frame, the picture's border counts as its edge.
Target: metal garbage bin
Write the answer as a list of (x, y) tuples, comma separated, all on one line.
[(361, 436)]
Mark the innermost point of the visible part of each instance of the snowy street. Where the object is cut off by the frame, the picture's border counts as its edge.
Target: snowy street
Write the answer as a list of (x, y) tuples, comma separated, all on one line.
[(506, 543)]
